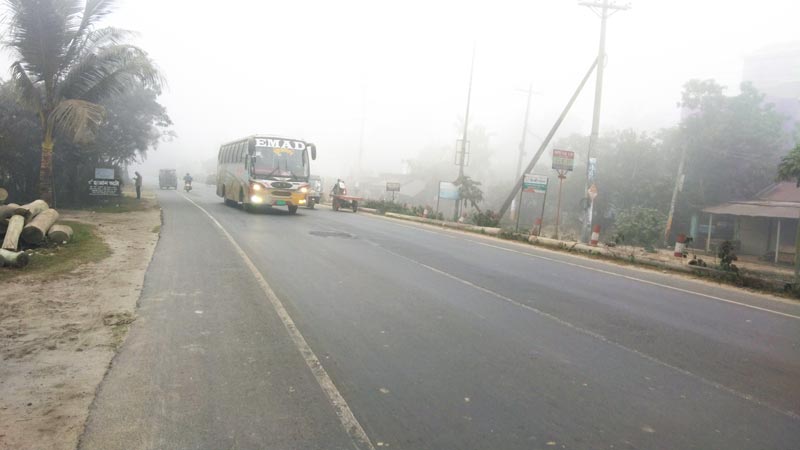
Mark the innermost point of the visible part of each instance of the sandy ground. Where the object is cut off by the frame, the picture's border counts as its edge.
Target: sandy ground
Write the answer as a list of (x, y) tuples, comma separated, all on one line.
[(57, 338)]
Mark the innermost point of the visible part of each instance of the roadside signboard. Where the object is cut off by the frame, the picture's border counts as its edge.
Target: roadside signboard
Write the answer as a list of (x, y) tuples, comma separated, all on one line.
[(448, 190), (592, 172), (392, 187), (105, 188), (535, 183), (103, 174), (563, 160)]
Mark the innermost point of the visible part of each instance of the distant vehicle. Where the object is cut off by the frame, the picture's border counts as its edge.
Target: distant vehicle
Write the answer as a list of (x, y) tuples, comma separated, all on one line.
[(167, 179), (265, 171), (340, 199), (314, 196)]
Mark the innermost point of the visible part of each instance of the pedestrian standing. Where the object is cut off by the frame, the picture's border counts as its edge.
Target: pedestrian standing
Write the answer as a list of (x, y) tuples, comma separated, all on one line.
[(138, 183)]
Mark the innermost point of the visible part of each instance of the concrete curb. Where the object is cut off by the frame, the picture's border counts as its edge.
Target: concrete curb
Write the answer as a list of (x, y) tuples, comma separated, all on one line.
[(444, 224)]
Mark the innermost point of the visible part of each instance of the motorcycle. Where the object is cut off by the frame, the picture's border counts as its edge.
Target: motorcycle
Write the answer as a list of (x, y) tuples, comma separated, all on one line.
[(187, 186)]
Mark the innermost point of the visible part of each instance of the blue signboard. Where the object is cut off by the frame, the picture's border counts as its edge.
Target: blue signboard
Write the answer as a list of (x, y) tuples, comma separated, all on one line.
[(448, 190)]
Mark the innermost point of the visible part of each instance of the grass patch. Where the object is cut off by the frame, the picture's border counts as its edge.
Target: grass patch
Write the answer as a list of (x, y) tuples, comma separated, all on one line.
[(85, 246), (119, 323), (122, 204)]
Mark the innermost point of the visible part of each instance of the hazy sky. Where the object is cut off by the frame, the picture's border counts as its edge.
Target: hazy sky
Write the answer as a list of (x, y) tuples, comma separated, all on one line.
[(311, 69)]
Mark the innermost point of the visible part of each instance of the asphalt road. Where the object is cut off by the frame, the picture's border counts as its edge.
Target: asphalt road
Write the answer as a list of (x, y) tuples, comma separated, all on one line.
[(432, 339)]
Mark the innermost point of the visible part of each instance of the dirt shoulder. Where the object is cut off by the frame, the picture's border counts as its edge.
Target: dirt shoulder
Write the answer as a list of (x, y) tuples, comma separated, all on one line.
[(58, 333)]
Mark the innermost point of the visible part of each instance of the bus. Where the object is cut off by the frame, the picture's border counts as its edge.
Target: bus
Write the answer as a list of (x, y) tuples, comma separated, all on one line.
[(259, 171)]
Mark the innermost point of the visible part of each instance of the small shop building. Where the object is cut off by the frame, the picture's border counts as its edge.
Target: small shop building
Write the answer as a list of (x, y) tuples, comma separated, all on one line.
[(764, 227)]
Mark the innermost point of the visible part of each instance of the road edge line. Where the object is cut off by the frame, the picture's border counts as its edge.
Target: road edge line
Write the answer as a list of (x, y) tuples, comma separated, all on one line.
[(346, 417)]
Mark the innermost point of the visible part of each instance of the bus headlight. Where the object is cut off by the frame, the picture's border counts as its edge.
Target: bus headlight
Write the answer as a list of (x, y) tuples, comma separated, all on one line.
[(256, 187), (302, 201), (256, 199), (304, 190)]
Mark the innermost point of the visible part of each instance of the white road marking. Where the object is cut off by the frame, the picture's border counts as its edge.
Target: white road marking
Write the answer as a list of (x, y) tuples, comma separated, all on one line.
[(606, 272), (791, 414), (343, 411)]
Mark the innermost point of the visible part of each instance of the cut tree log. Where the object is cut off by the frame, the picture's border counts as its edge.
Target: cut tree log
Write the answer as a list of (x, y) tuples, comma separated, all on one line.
[(35, 231), (13, 259), (15, 225), (60, 233), (3, 196), (31, 210), (7, 211)]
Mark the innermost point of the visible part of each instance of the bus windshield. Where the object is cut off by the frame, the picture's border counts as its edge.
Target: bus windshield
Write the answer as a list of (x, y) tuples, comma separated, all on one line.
[(279, 162)]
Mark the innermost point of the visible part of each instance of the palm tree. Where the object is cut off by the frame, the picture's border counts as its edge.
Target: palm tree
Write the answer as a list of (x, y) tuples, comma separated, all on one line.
[(65, 64), (469, 190)]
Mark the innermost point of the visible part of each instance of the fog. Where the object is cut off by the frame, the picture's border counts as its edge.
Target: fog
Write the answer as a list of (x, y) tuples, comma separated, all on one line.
[(318, 70)]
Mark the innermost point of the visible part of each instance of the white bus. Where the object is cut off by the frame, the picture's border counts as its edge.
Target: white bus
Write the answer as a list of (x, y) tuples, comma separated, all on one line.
[(265, 171)]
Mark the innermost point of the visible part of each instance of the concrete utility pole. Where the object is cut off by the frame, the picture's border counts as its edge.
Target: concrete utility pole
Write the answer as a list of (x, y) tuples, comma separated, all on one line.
[(524, 132), (522, 152), (463, 149), (678, 187), (604, 9), (462, 152), (359, 168)]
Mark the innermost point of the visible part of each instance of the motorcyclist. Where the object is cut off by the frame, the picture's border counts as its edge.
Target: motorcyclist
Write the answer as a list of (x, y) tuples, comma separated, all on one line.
[(187, 179)]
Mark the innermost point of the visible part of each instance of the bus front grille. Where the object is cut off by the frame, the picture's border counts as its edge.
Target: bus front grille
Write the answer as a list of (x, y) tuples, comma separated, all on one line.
[(281, 194)]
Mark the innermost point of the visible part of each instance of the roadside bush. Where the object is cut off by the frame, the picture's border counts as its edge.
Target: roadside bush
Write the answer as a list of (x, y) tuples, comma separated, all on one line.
[(383, 206), (639, 226), (485, 218), (727, 257)]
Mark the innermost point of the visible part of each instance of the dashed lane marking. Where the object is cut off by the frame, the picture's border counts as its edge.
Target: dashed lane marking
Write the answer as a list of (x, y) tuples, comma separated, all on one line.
[(747, 397)]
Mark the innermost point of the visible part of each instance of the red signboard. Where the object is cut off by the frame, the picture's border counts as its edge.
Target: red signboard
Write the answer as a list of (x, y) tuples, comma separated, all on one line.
[(563, 160)]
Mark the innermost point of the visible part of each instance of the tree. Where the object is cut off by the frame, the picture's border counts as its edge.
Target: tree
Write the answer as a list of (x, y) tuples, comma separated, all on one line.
[(65, 64), (134, 123), (469, 191), (789, 168), (639, 226), (19, 133), (733, 143)]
